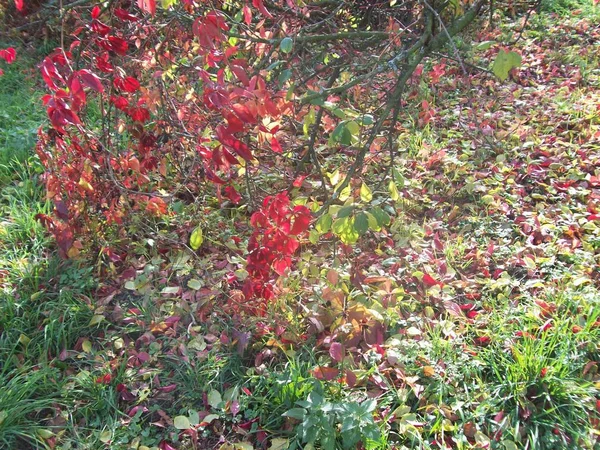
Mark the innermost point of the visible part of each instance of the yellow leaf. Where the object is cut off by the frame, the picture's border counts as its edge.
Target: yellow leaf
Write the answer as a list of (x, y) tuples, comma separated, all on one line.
[(45, 434), (197, 238), (96, 319), (24, 340), (86, 346), (365, 193), (106, 436), (279, 444), (84, 184), (428, 371), (394, 194)]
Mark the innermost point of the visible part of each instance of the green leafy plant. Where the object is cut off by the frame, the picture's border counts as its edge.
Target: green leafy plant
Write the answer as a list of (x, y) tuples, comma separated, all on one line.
[(329, 424)]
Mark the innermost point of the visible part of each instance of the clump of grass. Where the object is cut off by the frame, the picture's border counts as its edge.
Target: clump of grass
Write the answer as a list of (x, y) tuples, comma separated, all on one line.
[(538, 394), (28, 398)]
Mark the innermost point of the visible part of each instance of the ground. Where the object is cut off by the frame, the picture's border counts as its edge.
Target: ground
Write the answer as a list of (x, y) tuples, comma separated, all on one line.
[(467, 317)]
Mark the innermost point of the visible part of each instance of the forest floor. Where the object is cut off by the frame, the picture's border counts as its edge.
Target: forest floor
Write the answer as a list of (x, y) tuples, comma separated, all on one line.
[(471, 321)]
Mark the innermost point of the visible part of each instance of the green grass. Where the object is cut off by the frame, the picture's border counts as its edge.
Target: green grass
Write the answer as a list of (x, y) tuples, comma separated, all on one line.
[(537, 378)]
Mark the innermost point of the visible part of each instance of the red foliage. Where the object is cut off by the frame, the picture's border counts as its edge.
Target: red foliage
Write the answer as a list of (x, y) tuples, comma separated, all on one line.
[(117, 61), (277, 227), (9, 55)]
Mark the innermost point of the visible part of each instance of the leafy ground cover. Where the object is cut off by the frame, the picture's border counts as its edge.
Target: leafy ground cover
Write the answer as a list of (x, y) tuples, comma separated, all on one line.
[(466, 314)]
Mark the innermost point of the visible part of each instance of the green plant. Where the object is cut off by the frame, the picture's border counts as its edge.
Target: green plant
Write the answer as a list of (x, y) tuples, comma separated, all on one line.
[(332, 424)]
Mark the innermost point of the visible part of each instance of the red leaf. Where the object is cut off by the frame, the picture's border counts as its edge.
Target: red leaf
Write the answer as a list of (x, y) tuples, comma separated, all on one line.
[(350, 378), (547, 325), (169, 388), (91, 80), (261, 7), (299, 180), (282, 265), (247, 15), (103, 64), (241, 149), (275, 146), (430, 281), (120, 102), (104, 379), (148, 6), (95, 12), (19, 5), (337, 351), (302, 220), (124, 15), (9, 55), (156, 206), (102, 29), (118, 45), (139, 114), (482, 341), (243, 113), (128, 84), (240, 73), (326, 373), (233, 195)]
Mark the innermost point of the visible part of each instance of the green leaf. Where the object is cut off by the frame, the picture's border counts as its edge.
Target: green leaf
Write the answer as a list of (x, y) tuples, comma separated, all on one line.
[(286, 45), (275, 65), (166, 4), (348, 234), (323, 224), (484, 45), (210, 418), (279, 444), (290, 92), (170, 290), (194, 284), (365, 193), (339, 225), (194, 417), (361, 223), (504, 63), (341, 135), (382, 217), (339, 113), (366, 119), (309, 119), (181, 422), (284, 76), (373, 223), (44, 433), (353, 128), (345, 211), (295, 413), (399, 178), (214, 398), (196, 238)]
